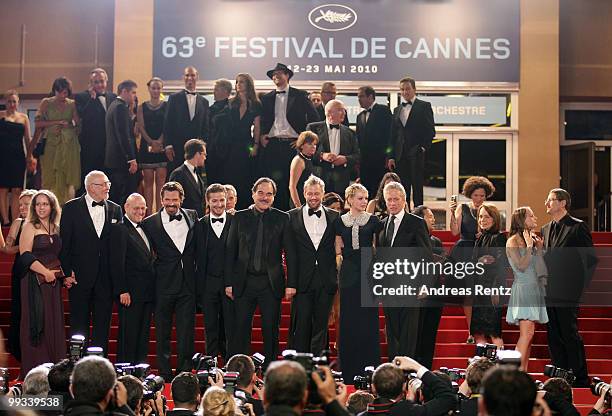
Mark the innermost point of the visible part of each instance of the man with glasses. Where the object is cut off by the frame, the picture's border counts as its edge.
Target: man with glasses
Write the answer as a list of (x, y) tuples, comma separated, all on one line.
[(85, 231), (328, 93)]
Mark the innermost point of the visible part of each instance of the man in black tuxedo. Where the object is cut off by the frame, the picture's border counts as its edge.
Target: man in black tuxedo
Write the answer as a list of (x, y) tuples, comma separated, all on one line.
[(120, 153), (402, 229), (286, 112), (91, 106), (571, 260), (186, 118), (373, 135), (338, 150), (189, 175), (254, 268), (133, 281), (212, 231), (185, 392), (328, 93), (315, 263), (412, 131), (171, 234), (217, 151), (85, 231)]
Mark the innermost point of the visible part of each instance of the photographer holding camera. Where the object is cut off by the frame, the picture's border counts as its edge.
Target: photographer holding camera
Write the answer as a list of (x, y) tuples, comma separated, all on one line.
[(469, 390), (95, 389), (603, 405), (443, 401), (557, 393), (507, 391), (185, 394), (248, 381), (135, 391)]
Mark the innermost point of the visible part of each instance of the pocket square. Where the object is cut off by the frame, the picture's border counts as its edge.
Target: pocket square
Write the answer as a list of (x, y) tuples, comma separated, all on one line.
[(114, 221)]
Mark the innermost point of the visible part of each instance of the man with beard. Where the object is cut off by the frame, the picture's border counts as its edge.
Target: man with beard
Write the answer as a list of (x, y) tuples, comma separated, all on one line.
[(171, 233), (315, 262), (254, 267)]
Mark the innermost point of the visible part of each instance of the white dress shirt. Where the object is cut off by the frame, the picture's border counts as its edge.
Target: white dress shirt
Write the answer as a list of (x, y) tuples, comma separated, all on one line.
[(398, 220), (97, 214), (405, 111), (177, 230), (102, 100), (281, 127), (141, 232), (334, 139), (315, 226), (367, 113), (191, 169), (218, 226), (191, 104)]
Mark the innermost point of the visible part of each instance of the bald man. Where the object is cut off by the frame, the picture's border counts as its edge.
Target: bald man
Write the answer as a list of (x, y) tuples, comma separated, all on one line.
[(133, 281), (338, 150), (186, 118)]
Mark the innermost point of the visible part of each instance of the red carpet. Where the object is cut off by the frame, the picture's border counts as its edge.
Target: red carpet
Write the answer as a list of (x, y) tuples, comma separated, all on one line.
[(595, 325)]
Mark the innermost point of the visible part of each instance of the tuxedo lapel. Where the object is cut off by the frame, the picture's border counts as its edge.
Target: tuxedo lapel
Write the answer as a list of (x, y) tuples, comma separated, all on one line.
[(160, 226), (546, 235), (107, 220), (344, 140), (199, 107), (324, 139), (303, 229), (185, 105), (415, 108), (561, 235), (89, 221), (330, 226), (191, 179), (383, 239), (189, 222), (290, 101), (135, 236)]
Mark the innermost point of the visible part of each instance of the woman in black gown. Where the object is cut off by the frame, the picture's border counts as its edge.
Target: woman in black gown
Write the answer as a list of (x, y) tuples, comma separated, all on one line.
[(43, 338), (359, 326), (490, 250), (14, 140), (301, 166), (237, 139)]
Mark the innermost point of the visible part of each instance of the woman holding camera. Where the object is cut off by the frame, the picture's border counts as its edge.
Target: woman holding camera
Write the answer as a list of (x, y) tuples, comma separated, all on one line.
[(43, 338), (526, 305)]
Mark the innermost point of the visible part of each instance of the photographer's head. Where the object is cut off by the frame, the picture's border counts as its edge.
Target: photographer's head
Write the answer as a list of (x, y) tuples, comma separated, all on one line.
[(186, 391), (507, 391), (36, 382), (59, 376), (559, 387), (358, 401), (93, 380), (135, 392), (286, 385), (476, 372), (218, 402), (243, 364), (388, 381)]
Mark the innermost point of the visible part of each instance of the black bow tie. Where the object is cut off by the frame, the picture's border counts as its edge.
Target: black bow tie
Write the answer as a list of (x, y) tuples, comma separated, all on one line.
[(334, 126), (97, 204), (281, 92), (138, 225), (177, 217), (404, 104), (214, 220), (191, 93), (312, 212), (101, 95), (369, 110)]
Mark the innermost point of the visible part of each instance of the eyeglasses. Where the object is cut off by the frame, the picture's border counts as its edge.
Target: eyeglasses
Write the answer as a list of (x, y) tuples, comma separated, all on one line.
[(103, 184)]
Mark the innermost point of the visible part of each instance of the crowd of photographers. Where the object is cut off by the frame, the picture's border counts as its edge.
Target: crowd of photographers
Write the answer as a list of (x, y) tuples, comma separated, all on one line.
[(301, 384)]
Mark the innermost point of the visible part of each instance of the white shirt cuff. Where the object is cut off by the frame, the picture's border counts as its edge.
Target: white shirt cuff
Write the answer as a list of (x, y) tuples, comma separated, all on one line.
[(421, 371)]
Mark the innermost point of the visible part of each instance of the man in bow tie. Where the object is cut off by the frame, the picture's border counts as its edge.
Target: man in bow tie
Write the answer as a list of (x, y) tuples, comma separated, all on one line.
[(212, 231), (171, 234), (85, 230), (338, 150), (131, 263), (189, 175), (285, 113), (186, 118), (316, 278), (412, 131), (91, 105)]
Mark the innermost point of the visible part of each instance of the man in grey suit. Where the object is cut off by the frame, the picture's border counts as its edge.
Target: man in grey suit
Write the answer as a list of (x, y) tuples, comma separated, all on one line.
[(338, 150)]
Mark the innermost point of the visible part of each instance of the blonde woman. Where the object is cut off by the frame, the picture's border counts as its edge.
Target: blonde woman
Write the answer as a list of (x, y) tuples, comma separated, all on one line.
[(359, 326), (218, 402)]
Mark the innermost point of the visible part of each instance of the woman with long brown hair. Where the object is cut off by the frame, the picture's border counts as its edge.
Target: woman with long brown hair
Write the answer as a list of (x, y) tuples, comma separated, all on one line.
[(377, 206), (526, 305)]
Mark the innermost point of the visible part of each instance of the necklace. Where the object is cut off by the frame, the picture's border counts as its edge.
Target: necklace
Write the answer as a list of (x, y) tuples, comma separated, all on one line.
[(472, 212), (48, 230), (305, 157)]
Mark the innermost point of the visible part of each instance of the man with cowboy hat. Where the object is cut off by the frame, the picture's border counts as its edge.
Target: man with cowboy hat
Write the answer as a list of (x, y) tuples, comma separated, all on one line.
[(286, 112)]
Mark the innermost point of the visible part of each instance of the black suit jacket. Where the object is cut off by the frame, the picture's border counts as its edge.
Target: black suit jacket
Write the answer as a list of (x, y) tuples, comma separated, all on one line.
[(570, 259), (120, 143), (375, 135), (194, 192), (321, 112), (83, 252), (178, 127), (92, 136), (131, 263), (300, 110), (276, 239), (172, 266), (306, 255), (348, 147), (419, 130), (202, 235)]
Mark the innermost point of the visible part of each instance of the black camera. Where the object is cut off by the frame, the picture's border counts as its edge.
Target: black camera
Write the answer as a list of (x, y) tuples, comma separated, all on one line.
[(509, 357), (598, 387), (140, 371), (96, 351), (310, 364), (230, 381), (539, 385), (455, 374), (487, 350), (567, 375), (203, 362), (151, 385), (364, 382), (203, 378), (76, 347), (241, 400), (258, 360), (4, 380)]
